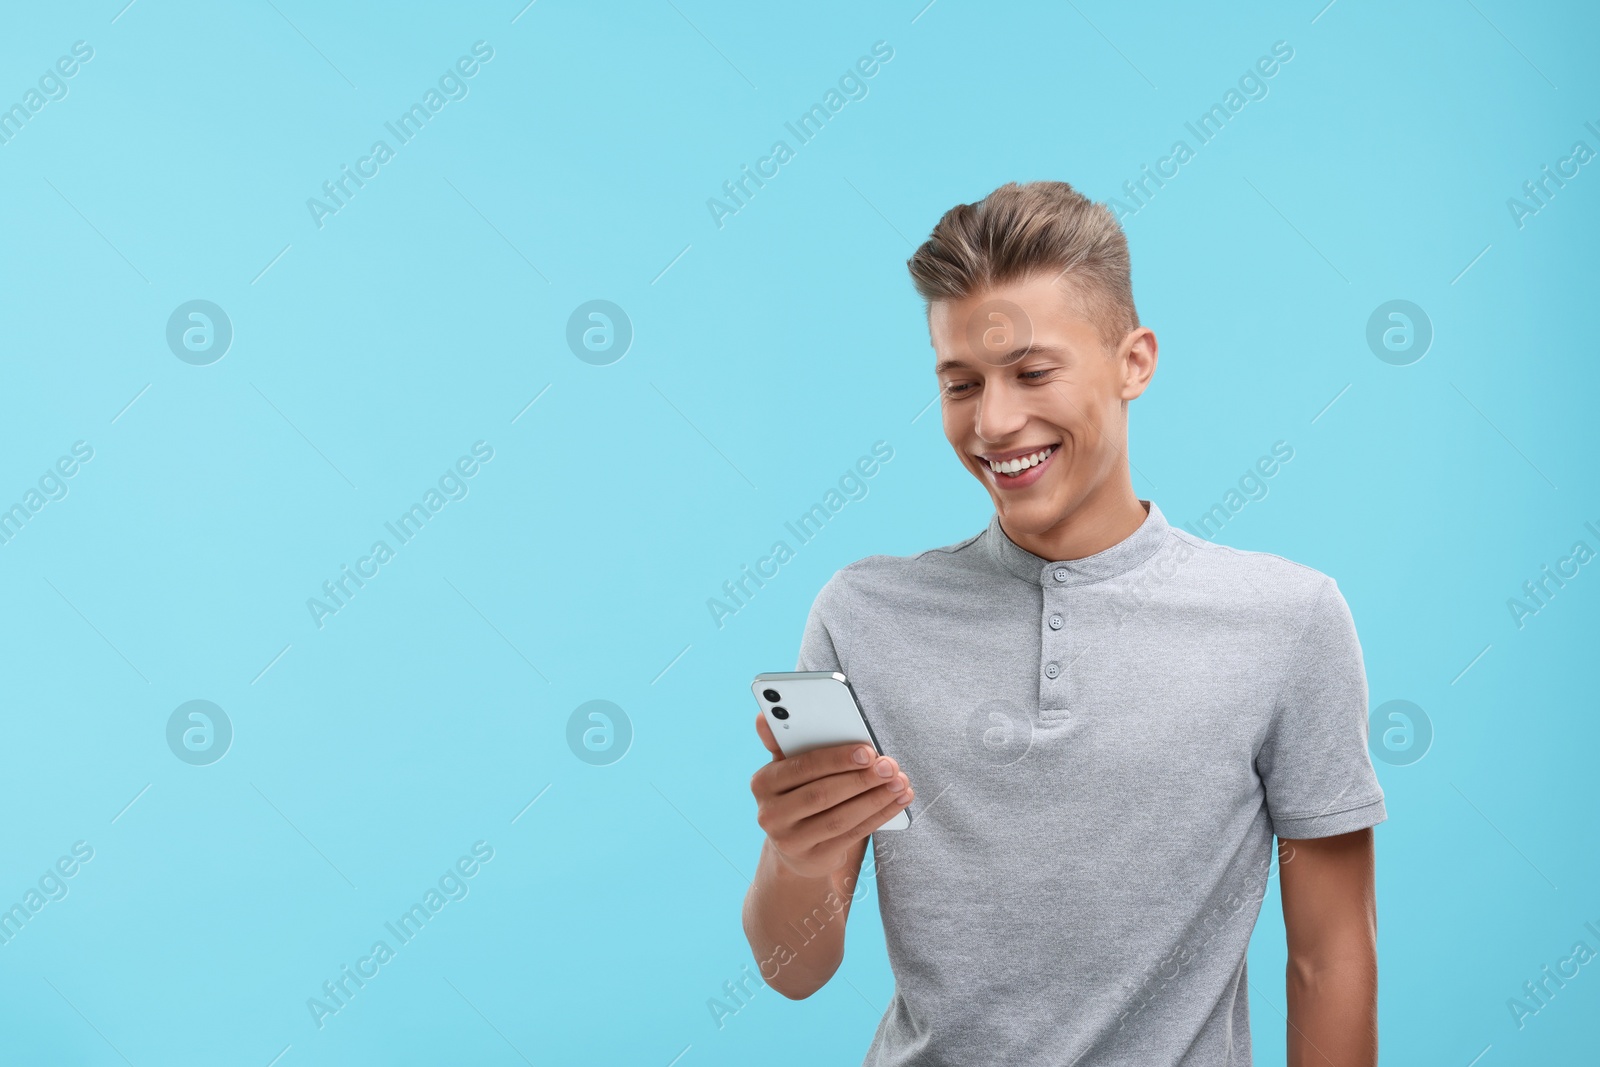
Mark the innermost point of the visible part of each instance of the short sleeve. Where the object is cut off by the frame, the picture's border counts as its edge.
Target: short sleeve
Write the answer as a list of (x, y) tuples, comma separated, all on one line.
[(817, 649), (1313, 762)]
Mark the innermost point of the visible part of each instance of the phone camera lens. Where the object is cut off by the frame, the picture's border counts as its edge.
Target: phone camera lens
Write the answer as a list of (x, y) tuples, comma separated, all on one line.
[(780, 713), (772, 695)]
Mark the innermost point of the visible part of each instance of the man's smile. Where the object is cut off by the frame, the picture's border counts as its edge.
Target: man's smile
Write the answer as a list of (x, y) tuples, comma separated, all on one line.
[(1019, 467)]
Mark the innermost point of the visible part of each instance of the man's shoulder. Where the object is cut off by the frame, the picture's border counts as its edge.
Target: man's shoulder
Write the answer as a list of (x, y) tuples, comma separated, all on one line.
[(1243, 561), (879, 571), (1265, 580)]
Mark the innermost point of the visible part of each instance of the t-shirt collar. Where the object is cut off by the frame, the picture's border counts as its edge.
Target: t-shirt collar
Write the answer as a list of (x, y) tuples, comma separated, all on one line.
[(1119, 558)]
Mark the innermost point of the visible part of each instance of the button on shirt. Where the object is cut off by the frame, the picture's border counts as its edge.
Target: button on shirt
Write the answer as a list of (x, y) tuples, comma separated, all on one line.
[(1102, 750)]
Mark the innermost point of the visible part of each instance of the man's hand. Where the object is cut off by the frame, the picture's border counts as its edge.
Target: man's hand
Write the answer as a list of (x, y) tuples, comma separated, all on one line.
[(816, 807)]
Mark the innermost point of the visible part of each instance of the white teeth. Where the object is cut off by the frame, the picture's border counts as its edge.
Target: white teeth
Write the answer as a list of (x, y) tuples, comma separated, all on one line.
[(1012, 466)]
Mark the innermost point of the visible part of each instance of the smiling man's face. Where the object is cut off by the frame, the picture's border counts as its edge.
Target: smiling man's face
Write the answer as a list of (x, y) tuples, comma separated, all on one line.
[(1024, 377)]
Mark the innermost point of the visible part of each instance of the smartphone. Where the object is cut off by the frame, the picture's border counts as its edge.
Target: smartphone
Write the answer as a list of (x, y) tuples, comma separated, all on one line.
[(816, 709)]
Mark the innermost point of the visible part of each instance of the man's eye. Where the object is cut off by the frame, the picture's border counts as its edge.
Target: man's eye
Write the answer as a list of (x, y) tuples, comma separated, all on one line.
[(1036, 374), (956, 388)]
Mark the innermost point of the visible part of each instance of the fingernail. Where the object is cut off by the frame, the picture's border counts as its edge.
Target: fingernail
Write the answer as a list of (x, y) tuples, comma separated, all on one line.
[(885, 768), (862, 756)]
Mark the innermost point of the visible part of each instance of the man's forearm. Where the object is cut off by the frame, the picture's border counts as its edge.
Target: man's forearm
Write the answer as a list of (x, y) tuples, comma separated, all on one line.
[(795, 925), (1333, 1012)]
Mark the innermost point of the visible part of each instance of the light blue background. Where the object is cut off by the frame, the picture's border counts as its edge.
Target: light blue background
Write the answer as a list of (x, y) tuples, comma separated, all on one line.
[(768, 355)]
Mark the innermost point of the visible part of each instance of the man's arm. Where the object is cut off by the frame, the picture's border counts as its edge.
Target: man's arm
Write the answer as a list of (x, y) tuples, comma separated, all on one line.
[(818, 810), (780, 901), (1330, 916)]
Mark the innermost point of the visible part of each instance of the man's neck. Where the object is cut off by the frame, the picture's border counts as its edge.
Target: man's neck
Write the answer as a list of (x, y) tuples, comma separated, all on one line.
[(1090, 528)]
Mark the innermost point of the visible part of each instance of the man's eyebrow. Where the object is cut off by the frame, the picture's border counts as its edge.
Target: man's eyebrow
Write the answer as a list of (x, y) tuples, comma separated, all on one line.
[(1009, 358)]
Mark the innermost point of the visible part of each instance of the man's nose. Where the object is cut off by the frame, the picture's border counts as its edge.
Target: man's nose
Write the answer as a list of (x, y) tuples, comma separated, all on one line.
[(1000, 412)]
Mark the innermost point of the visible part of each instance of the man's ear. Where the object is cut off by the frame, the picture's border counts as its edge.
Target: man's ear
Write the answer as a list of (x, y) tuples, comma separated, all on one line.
[(1138, 353)]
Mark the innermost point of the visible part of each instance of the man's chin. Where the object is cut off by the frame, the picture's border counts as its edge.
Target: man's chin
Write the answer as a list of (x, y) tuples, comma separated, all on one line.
[(1033, 516)]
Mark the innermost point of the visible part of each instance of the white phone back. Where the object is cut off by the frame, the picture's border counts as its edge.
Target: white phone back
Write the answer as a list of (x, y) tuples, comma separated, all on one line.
[(822, 711)]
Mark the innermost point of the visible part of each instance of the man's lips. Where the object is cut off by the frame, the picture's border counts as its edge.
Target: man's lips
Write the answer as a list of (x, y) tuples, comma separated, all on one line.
[(1023, 478), (1015, 453)]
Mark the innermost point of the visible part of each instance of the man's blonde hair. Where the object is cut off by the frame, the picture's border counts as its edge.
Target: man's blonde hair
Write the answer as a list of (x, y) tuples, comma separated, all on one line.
[(1036, 227)]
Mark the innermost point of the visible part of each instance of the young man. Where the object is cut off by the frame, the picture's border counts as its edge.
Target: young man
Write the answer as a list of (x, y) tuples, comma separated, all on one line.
[(1098, 720)]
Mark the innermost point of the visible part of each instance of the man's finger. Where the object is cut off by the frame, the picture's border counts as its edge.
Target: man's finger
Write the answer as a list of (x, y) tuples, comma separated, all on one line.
[(873, 823), (845, 799), (767, 739), (819, 762)]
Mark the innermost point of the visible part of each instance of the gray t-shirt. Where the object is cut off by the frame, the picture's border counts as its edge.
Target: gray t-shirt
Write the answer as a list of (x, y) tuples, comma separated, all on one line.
[(1102, 750)]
